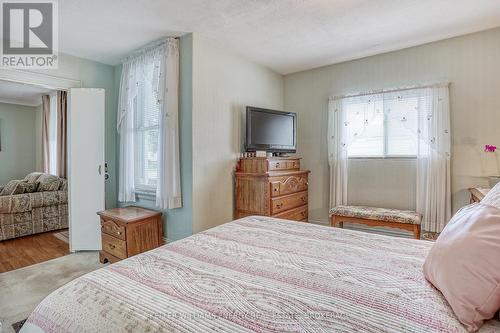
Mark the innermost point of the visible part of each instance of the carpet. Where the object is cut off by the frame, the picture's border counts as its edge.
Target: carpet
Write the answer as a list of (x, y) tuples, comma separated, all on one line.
[(63, 235), (22, 289)]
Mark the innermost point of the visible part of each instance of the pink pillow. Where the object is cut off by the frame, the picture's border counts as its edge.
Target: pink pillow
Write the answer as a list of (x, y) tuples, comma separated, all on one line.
[(464, 264)]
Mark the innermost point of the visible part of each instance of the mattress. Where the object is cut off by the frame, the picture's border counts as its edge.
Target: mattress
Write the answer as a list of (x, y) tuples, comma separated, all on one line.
[(258, 274)]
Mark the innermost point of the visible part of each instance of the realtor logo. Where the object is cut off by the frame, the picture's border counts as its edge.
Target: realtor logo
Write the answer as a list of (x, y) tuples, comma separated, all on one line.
[(29, 34)]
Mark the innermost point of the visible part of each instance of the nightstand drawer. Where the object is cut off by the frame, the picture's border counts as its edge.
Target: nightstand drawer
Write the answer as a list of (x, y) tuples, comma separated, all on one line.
[(287, 202), (112, 228), (114, 246)]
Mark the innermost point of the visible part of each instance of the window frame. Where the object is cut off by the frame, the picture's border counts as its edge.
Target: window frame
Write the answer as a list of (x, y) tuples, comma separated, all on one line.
[(141, 188), (384, 150)]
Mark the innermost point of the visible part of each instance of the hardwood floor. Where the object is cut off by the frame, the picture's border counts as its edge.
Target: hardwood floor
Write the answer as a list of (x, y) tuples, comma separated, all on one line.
[(29, 250)]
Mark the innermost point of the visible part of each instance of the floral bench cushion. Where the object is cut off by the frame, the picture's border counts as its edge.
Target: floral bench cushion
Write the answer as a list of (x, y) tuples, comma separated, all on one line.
[(380, 214)]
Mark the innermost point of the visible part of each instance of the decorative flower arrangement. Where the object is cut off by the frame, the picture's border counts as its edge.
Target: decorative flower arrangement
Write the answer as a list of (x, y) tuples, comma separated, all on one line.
[(490, 148)]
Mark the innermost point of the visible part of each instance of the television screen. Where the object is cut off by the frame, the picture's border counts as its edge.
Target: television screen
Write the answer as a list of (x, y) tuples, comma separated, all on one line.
[(270, 130)]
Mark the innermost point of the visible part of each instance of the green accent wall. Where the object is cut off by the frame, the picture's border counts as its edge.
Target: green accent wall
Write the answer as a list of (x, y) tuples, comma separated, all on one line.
[(177, 222), (18, 141)]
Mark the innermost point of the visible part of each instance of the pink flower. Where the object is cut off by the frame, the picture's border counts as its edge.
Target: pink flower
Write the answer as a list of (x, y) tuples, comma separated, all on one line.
[(490, 148)]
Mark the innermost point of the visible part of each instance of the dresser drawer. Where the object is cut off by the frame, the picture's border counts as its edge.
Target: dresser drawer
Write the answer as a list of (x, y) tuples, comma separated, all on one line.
[(277, 165), (296, 214), (288, 184), (112, 228), (114, 246), (287, 202)]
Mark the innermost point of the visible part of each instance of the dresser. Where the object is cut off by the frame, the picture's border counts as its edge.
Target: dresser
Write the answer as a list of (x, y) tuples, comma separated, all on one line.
[(271, 186), (129, 231)]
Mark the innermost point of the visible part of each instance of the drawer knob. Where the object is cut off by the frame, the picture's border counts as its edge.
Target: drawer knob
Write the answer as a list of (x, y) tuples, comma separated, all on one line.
[(119, 232), (111, 246), (279, 205), (303, 199), (278, 164), (275, 189)]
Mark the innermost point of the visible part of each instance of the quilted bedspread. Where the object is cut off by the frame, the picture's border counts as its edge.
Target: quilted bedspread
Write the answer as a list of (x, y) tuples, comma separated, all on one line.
[(258, 274)]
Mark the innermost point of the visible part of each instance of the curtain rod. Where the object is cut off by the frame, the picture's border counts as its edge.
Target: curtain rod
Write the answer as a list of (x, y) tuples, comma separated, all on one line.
[(147, 47), (383, 91)]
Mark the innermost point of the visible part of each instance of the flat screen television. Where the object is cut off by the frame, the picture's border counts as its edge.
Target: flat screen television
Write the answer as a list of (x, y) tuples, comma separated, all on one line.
[(270, 130)]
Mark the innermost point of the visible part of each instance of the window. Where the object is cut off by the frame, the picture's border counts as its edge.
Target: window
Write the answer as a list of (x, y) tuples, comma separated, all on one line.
[(146, 129), (383, 125)]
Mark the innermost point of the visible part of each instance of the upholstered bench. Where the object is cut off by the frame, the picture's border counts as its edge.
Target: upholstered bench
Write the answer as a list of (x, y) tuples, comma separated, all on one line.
[(376, 217)]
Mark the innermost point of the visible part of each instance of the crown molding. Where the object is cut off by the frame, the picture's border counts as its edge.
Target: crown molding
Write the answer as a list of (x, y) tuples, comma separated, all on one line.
[(38, 79)]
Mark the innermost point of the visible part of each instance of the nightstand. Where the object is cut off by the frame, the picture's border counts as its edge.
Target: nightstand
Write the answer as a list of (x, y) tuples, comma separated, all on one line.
[(477, 193), (128, 231)]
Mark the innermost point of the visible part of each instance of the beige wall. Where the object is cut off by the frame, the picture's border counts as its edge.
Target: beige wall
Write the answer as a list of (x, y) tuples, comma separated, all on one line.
[(223, 84), (471, 63)]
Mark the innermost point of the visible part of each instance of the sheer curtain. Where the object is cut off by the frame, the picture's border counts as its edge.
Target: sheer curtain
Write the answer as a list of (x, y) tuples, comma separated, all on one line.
[(168, 191), (156, 66), (433, 159), (407, 122), (54, 133), (337, 152)]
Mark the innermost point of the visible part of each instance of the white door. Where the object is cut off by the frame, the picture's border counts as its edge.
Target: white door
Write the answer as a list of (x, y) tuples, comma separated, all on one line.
[(85, 167)]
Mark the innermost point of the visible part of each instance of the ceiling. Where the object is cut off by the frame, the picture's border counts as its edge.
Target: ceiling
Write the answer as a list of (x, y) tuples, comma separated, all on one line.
[(19, 93), (284, 35)]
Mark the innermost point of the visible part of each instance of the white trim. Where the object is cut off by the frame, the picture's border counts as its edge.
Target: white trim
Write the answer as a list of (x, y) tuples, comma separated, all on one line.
[(166, 240), (20, 102), (38, 79)]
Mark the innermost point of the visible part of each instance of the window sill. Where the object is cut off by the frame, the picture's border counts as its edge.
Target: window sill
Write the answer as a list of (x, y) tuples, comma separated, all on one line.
[(145, 195)]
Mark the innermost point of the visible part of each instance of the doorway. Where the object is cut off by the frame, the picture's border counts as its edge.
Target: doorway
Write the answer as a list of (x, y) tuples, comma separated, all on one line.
[(67, 149)]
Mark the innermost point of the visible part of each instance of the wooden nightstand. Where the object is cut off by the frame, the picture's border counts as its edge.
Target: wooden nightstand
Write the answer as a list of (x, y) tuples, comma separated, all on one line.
[(477, 193), (128, 231)]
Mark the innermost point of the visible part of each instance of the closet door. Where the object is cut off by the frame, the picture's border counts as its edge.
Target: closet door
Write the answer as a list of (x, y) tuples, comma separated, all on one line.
[(85, 167)]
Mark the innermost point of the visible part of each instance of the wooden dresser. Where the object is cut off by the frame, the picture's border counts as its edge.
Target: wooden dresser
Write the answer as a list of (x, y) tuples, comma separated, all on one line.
[(129, 231), (271, 186)]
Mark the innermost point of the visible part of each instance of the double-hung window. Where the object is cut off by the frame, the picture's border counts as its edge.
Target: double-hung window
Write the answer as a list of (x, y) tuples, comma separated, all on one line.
[(383, 125), (146, 130)]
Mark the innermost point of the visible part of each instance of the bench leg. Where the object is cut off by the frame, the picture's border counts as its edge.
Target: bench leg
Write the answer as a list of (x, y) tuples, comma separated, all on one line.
[(416, 231), (336, 222)]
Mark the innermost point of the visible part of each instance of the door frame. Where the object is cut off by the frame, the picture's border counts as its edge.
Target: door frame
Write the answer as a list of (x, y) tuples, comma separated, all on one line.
[(38, 79), (46, 81)]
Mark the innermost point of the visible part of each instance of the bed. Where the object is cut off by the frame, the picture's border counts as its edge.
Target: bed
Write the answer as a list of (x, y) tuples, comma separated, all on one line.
[(258, 274)]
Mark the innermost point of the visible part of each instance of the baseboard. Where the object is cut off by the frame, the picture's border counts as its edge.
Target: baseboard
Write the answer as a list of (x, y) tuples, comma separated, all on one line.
[(166, 240), (318, 222)]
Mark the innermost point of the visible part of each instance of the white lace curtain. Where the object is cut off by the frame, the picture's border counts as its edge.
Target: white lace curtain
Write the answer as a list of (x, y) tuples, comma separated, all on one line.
[(159, 67), (421, 118)]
